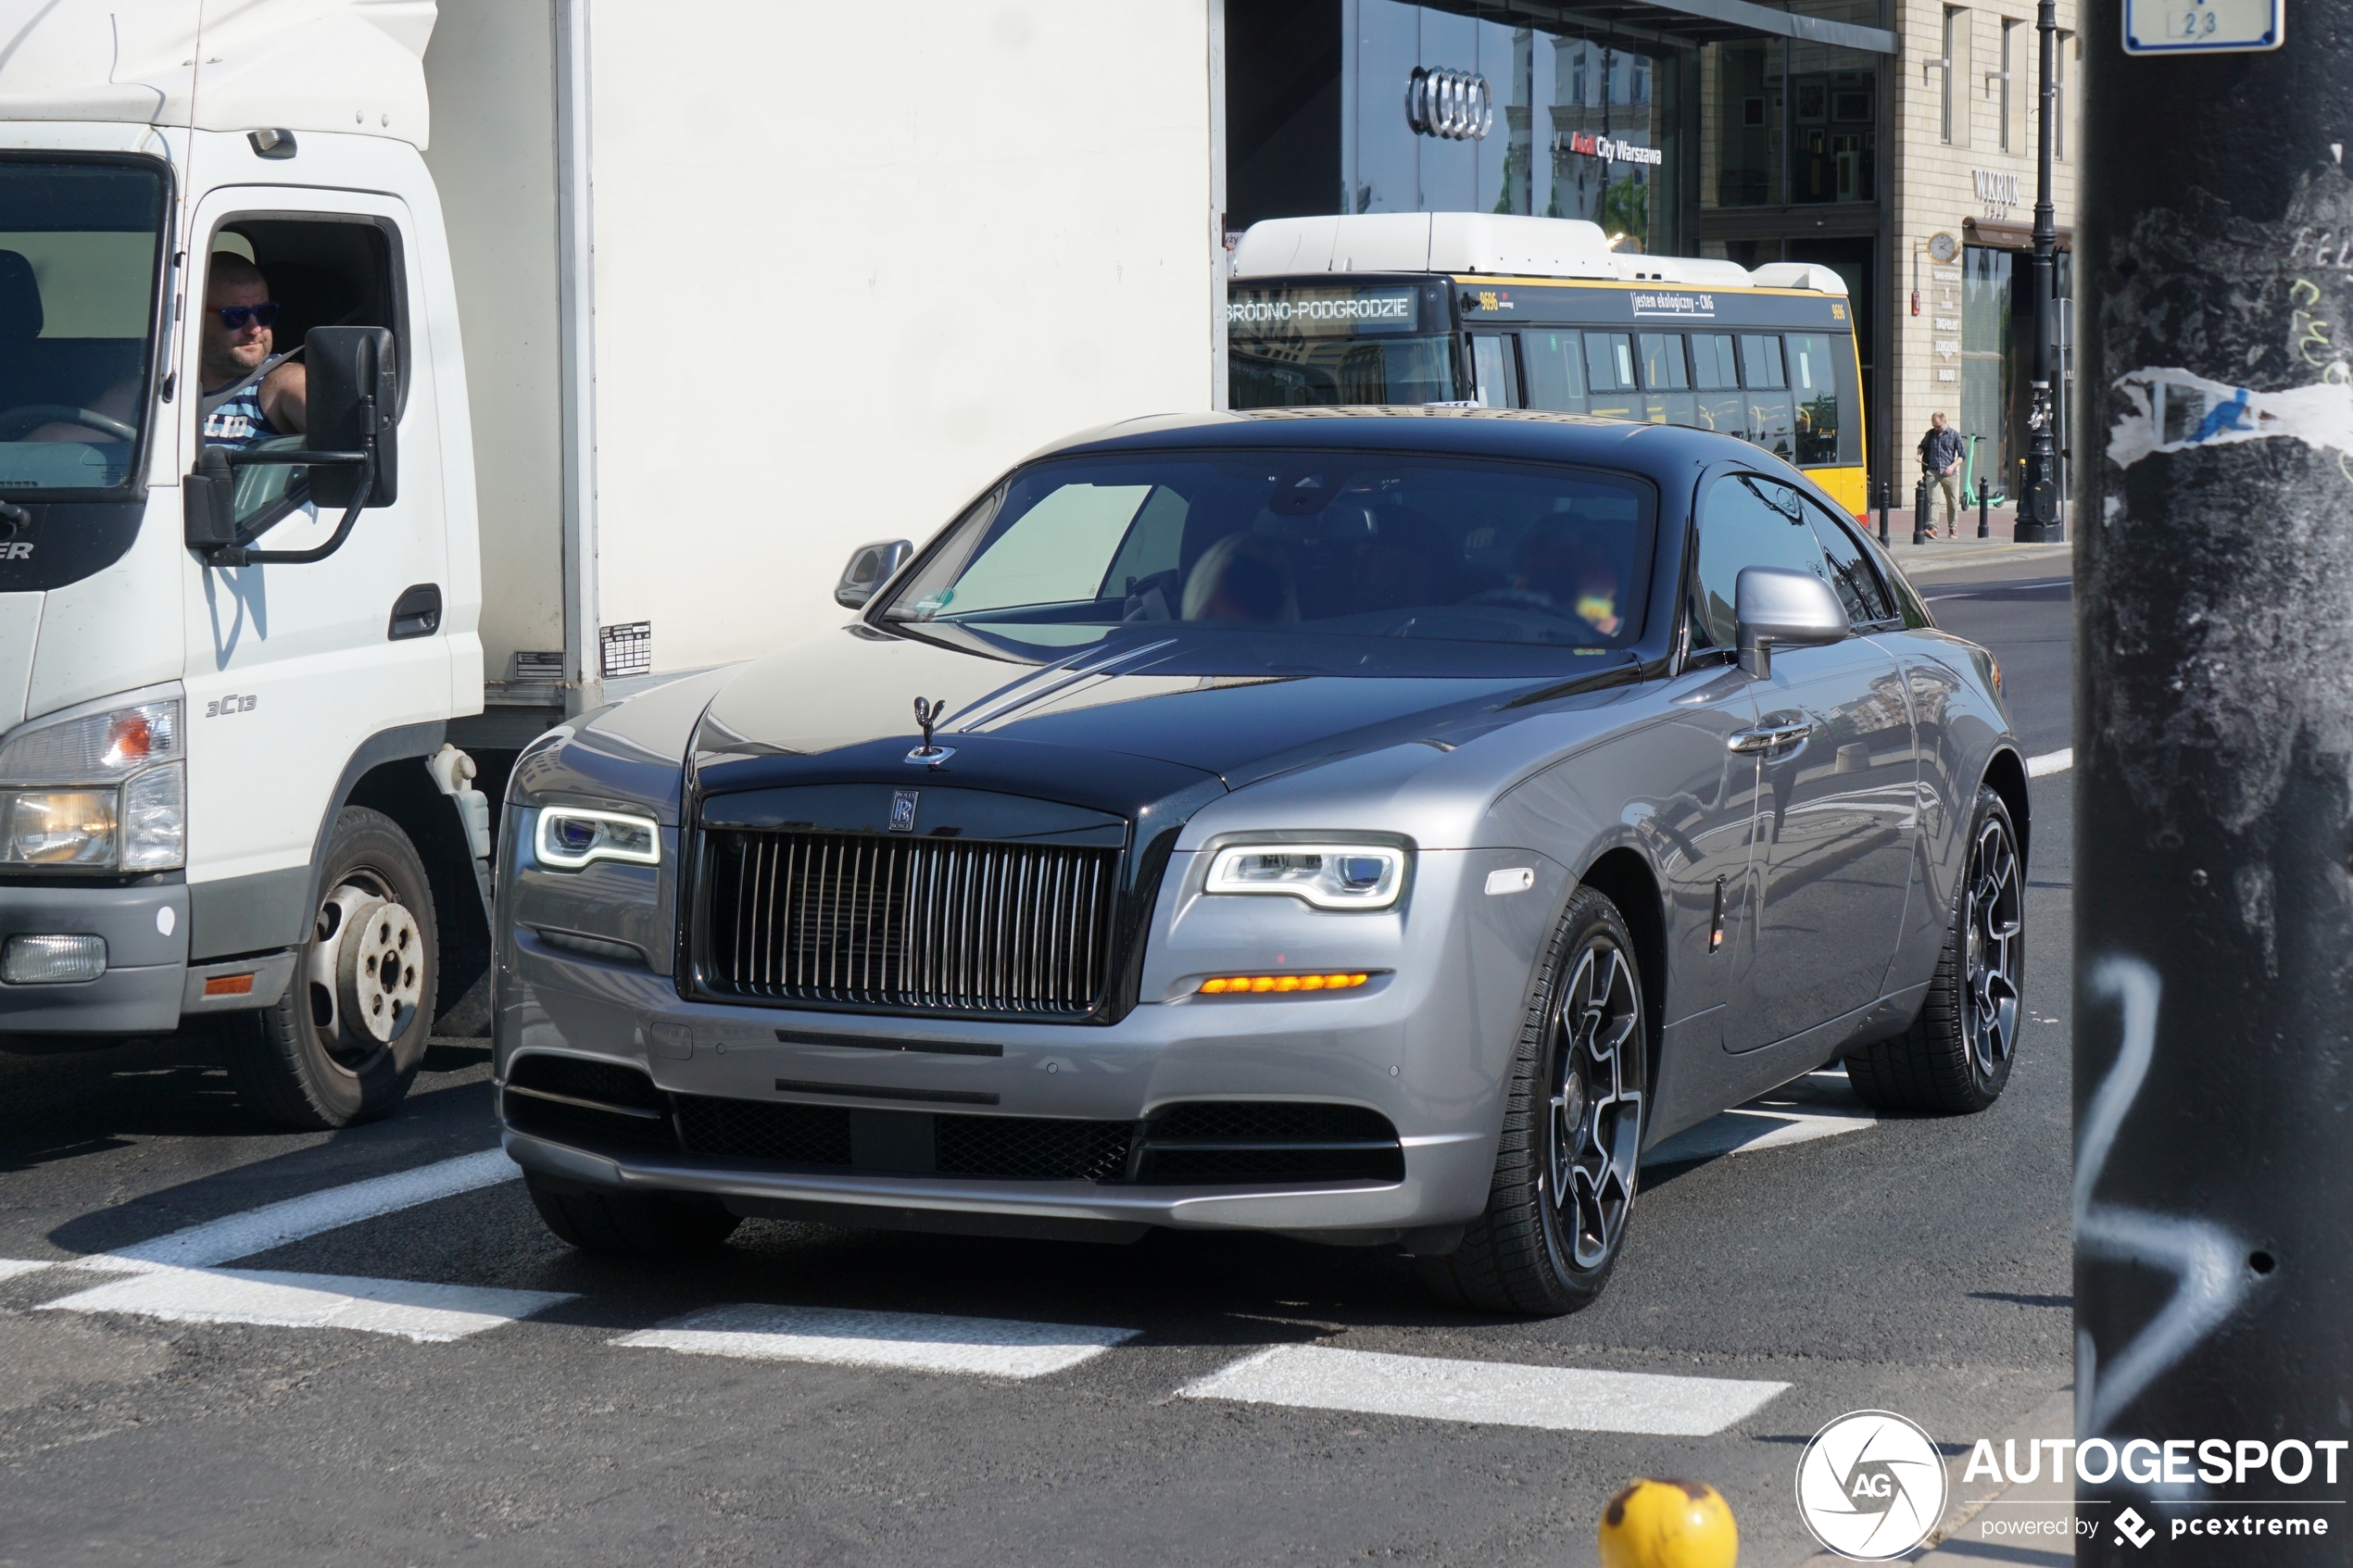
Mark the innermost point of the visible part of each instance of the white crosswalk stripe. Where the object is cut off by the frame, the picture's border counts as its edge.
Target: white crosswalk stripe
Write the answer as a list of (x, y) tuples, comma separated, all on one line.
[(1496, 1393), (275, 1225), (432, 1312), (914, 1341), (1822, 1104), (2050, 762)]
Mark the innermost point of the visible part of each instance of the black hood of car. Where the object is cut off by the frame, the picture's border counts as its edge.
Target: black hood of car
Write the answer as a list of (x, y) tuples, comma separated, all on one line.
[(1136, 716)]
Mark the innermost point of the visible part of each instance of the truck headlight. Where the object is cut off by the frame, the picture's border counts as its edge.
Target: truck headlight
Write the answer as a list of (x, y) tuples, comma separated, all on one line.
[(572, 836), (1330, 876), (97, 792)]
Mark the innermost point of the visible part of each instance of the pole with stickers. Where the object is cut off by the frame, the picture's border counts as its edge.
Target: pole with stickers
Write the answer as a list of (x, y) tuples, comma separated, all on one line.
[(2213, 1042)]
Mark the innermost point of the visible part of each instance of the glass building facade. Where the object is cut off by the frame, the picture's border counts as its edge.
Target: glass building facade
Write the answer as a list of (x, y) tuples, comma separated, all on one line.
[(1571, 121)]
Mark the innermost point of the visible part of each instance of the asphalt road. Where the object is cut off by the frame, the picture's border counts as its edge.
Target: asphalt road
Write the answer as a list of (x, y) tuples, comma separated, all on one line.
[(1915, 1265)]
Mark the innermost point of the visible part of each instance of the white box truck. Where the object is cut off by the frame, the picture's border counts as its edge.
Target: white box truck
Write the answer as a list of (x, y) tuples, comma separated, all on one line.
[(381, 382)]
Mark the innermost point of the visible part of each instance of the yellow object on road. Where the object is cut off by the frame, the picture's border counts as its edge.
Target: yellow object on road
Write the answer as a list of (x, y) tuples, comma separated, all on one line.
[(1669, 1525)]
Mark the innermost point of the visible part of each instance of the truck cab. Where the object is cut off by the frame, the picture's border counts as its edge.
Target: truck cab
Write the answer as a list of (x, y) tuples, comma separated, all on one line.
[(232, 643)]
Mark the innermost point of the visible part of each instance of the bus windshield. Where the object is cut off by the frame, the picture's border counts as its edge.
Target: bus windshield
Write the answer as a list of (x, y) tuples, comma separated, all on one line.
[(1380, 344), (78, 245)]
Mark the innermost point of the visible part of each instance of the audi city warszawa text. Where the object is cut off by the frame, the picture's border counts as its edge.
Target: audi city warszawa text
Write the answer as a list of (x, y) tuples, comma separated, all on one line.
[(1376, 826)]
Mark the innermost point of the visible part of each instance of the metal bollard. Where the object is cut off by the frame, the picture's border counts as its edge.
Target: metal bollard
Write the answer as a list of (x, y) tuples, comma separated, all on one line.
[(1922, 531), (1669, 1525), (1884, 486), (1984, 523)]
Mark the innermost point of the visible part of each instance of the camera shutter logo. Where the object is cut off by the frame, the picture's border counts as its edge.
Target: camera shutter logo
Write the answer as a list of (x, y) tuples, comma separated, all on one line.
[(1870, 1486), (1454, 104)]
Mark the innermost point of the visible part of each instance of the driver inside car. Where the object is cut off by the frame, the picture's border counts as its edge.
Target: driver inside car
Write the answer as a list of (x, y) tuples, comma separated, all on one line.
[(250, 393), (1572, 572)]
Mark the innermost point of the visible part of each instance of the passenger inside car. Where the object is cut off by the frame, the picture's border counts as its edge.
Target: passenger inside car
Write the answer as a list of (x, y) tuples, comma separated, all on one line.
[(1242, 578)]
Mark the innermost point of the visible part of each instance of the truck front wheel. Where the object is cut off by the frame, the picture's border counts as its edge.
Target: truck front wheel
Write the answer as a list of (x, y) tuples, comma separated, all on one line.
[(344, 1042)]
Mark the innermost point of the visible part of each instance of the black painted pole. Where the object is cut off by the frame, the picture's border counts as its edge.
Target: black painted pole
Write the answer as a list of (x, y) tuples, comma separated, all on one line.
[(1985, 501), (1922, 529), (1884, 486), (2038, 510), (2213, 790)]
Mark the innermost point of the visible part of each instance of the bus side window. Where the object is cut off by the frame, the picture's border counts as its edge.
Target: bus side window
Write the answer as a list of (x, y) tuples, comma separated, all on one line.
[(1495, 386), (1716, 373), (1554, 363), (1666, 380), (1814, 390), (1771, 419), (1609, 375)]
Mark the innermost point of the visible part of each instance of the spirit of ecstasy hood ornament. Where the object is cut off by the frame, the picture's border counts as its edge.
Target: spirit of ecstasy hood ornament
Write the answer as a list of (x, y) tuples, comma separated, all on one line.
[(927, 714)]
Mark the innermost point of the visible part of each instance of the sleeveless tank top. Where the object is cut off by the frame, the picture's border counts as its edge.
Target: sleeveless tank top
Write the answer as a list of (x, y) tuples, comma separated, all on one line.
[(232, 417)]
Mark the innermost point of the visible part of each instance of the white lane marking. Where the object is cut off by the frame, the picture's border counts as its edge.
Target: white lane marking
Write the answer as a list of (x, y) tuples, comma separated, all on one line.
[(435, 1312), (275, 1225), (11, 1267), (916, 1341), (1986, 588), (1820, 1104), (2050, 762), (1744, 1130), (1501, 1394)]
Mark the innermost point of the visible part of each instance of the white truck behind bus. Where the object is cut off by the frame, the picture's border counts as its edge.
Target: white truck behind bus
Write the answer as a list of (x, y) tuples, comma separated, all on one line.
[(614, 354)]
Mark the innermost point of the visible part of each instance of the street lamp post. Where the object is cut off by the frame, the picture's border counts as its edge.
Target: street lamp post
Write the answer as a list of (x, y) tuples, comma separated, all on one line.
[(2038, 516)]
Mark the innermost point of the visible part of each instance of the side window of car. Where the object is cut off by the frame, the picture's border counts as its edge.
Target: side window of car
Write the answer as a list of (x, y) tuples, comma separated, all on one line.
[(1746, 521), (1858, 585)]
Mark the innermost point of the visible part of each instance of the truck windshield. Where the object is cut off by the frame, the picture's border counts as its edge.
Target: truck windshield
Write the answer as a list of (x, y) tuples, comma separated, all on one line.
[(1301, 546), (79, 247), (1361, 344)]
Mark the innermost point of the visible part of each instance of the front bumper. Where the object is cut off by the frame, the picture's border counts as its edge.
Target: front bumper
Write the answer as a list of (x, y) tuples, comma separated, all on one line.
[(1428, 1045), (146, 928)]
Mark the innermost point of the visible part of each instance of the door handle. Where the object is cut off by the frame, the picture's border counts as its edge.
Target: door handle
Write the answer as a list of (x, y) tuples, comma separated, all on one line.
[(416, 613), (1769, 737)]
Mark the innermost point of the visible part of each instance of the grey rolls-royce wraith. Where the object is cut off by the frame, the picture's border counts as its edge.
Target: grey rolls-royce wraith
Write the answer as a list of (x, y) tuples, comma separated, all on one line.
[(1370, 825)]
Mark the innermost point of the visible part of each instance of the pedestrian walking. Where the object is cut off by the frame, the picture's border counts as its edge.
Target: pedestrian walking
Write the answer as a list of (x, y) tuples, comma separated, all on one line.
[(1941, 455)]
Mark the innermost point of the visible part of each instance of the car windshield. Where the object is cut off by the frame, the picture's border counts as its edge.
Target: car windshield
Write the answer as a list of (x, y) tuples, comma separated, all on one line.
[(79, 247), (1299, 546)]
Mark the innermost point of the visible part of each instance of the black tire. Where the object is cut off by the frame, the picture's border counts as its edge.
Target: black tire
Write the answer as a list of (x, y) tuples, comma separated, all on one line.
[(312, 1073), (630, 1223), (1957, 1055), (1529, 1253)]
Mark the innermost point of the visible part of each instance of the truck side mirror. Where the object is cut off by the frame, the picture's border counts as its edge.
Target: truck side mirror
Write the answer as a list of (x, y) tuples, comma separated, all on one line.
[(870, 567), (354, 392), (209, 501), (1781, 607)]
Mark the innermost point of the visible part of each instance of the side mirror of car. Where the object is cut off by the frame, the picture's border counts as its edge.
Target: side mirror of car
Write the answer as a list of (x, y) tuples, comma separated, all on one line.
[(353, 392), (870, 567), (1780, 607)]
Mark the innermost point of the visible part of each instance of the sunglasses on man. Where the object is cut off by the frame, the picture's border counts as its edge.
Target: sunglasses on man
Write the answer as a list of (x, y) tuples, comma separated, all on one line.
[(234, 316)]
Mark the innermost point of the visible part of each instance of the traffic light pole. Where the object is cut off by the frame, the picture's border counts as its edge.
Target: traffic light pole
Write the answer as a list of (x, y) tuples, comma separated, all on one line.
[(2213, 787), (2038, 512)]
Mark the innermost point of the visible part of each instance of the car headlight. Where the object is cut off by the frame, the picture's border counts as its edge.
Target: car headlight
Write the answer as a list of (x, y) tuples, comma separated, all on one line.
[(572, 836), (1330, 876), (97, 792)]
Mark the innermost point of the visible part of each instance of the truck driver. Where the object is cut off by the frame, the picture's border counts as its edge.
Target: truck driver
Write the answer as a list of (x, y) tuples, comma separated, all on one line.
[(250, 394)]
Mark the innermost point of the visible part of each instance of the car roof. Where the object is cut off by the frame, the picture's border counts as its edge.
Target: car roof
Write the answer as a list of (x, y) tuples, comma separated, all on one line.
[(1525, 434)]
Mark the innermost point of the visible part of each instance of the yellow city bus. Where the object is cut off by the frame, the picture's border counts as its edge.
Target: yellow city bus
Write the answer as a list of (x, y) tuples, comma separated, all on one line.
[(1511, 312)]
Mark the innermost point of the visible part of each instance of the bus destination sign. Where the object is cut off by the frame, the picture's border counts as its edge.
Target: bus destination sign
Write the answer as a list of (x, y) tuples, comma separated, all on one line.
[(1321, 312)]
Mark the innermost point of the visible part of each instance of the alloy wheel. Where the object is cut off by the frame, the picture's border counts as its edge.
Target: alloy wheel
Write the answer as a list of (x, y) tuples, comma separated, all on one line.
[(1596, 1126), (1992, 916)]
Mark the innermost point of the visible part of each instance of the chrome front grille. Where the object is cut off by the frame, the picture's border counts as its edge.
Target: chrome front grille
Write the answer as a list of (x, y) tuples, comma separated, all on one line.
[(944, 925)]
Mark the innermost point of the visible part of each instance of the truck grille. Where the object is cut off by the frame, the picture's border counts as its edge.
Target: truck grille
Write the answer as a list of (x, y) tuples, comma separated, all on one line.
[(922, 923)]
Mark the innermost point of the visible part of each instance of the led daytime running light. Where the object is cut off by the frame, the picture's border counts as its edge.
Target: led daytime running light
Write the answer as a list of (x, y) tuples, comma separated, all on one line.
[(1259, 985)]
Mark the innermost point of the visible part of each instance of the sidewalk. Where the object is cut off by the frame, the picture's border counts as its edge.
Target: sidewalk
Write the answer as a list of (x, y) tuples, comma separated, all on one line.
[(1967, 550)]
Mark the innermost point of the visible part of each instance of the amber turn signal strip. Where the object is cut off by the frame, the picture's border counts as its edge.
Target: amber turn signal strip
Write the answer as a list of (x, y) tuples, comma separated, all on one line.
[(1255, 984)]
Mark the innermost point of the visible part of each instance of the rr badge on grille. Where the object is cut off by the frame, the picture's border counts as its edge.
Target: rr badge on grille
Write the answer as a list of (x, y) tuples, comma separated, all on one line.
[(902, 811)]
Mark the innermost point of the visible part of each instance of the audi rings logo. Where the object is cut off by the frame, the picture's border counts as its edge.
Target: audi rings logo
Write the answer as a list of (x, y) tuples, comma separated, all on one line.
[(1455, 105)]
